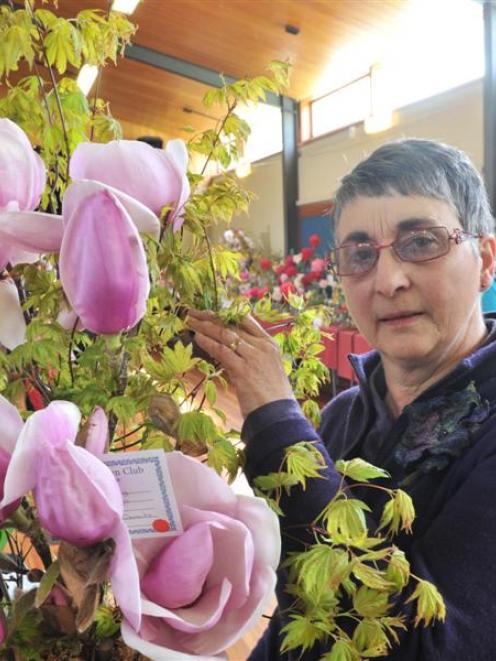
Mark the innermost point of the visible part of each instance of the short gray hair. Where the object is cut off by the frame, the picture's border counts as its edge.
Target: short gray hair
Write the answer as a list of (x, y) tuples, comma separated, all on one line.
[(421, 167)]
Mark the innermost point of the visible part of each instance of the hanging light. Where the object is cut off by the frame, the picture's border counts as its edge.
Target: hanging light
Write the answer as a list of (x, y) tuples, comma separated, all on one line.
[(125, 6), (86, 77)]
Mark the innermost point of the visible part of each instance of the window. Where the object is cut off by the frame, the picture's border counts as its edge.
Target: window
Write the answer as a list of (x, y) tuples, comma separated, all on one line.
[(436, 46)]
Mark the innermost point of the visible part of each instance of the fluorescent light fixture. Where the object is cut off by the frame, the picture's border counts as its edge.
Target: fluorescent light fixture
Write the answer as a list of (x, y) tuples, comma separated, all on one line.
[(125, 6), (86, 77)]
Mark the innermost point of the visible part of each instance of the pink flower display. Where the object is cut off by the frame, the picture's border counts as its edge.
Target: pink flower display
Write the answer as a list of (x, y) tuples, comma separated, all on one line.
[(77, 497), (155, 177), (203, 589)]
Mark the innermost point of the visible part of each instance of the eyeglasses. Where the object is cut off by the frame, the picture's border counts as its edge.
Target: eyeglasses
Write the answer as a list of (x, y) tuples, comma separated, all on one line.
[(422, 245)]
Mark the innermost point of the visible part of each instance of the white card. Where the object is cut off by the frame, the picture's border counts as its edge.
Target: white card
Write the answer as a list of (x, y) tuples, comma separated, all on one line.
[(150, 508)]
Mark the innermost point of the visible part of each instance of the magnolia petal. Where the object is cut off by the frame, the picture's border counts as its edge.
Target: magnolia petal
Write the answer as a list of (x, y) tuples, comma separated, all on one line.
[(176, 576), (194, 485), (146, 221), (235, 623), (178, 152), (77, 496), (156, 652), (29, 231), (147, 174), (12, 322), (103, 265), (97, 432), (67, 318), (124, 577), (233, 553), (205, 613), (10, 425), (59, 422), (22, 171), (264, 528)]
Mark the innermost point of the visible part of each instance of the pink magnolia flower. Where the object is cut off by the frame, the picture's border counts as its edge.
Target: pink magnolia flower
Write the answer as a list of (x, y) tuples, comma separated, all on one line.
[(77, 497), (102, 260), (155, 177), (203, 590), (10, 426)]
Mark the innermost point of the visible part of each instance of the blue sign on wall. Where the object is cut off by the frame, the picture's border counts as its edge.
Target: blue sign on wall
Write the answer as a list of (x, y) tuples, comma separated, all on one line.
[(320, 225)]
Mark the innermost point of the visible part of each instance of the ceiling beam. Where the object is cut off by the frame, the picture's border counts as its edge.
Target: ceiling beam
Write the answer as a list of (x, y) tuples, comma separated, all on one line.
[(186, 69)]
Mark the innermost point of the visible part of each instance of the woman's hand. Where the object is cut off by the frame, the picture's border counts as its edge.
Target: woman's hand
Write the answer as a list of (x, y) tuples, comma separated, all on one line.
[(250, 356)]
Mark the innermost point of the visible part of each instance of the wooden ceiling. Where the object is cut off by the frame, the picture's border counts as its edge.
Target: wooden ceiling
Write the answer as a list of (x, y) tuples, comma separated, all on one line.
[(234, 37)]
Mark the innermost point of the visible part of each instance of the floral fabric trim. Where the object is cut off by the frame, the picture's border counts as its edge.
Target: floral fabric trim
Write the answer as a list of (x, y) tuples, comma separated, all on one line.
[(439, 430)]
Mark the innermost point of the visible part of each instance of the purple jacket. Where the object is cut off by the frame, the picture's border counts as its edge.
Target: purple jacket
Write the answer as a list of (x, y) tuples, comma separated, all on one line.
[(442, 451)]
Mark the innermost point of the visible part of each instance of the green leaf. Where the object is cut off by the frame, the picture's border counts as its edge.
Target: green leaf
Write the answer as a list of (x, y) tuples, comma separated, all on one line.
[(196, 427), (342, 650), (210, 392), (222, 456), (46, 584), (311, 410), (321, 567), (302, 632), (360, 470), (304, 461), (371, 603), (370, 638), (373, 578), (430, 603), (398, 569), (398, 513), (345, 520), (274, 481), (107, 622)]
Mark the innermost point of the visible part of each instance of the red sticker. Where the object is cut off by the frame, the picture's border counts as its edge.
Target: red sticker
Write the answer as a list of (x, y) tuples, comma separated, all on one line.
[(161, 525)]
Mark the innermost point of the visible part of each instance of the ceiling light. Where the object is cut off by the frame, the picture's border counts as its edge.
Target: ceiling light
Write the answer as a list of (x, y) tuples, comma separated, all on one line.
[(125, 6), (86, 77)]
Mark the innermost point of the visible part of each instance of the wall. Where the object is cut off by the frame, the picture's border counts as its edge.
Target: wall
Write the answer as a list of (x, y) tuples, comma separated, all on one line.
[(455, 117)]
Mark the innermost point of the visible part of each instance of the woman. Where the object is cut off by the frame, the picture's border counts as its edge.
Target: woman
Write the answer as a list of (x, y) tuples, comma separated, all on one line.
[(414, 251)]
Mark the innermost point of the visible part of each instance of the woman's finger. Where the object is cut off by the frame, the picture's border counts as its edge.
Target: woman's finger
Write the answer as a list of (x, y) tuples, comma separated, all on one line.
[(226, 355)]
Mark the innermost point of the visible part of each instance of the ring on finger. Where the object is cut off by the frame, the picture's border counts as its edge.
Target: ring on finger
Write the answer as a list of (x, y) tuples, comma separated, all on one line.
[(235, 343)]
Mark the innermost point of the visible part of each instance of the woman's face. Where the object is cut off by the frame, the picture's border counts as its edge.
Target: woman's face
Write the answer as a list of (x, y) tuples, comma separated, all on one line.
[(415, 313)]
